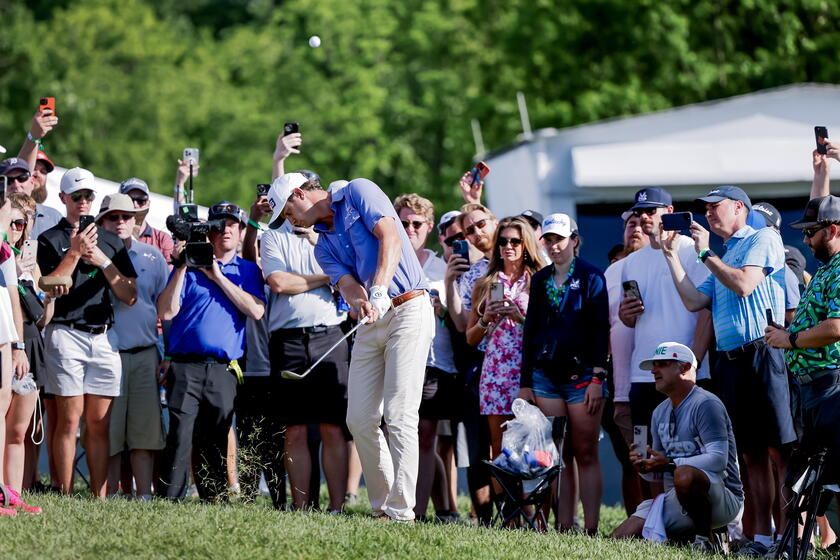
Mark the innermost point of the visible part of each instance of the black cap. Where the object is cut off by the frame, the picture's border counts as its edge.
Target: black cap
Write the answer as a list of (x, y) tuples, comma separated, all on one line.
[(770, 214), (226, 209), (534, 218), (825, 209)]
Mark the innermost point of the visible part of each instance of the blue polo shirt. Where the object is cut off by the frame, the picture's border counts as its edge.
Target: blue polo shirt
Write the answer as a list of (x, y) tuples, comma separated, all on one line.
[(208, 323), (739, 320), (351, 248)]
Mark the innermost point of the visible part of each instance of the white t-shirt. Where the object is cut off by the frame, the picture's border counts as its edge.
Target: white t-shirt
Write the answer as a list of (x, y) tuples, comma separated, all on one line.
[(621, 336), (665, 318), (440, 353), (282, 250), (8, 281)]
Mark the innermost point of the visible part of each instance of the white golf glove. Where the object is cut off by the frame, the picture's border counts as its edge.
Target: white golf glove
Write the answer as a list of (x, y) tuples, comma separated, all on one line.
[(380, 300)]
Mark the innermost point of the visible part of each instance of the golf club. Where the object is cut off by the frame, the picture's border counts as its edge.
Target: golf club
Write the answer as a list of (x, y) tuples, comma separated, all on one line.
[(286, 374)]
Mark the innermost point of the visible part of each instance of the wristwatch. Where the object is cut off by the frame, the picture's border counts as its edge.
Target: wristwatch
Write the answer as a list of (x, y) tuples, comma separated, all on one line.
[(792, 339), (705, 254), (19, 346)]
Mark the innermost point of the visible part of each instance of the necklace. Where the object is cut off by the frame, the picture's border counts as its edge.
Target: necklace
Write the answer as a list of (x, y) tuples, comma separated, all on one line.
[(555, 293)]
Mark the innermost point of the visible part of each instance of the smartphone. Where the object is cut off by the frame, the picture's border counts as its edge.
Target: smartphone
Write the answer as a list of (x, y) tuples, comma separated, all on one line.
[(84, 221), (47, 103), (821, 135), (640, 440), (462, 249), (479, 172), (4, 182), (631, 289), (262, 189), (191, 156), (677, 221), (290, 128), (30, 253), (497, 291), (770, 320)]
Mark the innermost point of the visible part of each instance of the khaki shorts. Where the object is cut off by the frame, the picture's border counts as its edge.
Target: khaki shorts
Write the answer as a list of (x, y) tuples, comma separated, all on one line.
[(79, 363), (136, 413), (623, 420)]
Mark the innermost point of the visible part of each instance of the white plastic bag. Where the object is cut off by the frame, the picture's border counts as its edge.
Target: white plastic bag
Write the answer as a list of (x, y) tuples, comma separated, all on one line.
[(527, 445)]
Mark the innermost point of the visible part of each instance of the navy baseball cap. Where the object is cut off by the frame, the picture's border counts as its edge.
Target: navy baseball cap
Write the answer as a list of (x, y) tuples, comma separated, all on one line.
[(12, 163), (770, 214), (728, 191), (652, 197), (226, 209)]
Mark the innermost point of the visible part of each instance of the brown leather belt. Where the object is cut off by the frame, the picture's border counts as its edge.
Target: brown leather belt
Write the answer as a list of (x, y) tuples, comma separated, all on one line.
[(401, 299)]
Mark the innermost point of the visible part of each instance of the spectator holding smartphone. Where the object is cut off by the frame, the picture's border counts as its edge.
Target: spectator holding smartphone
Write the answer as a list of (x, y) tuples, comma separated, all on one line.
[(83, 364), (43, 122), (513, 261), (564, 359)]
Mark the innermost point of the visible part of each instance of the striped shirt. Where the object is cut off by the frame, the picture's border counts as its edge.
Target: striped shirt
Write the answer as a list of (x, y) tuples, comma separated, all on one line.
[(737, 319)]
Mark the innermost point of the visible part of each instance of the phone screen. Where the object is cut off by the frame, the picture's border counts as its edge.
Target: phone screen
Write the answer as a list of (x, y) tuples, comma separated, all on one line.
[(677, 221), (631, 289), (640, 439)]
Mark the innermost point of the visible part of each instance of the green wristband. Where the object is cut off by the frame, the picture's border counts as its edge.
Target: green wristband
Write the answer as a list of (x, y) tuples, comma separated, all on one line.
[(253, 224)]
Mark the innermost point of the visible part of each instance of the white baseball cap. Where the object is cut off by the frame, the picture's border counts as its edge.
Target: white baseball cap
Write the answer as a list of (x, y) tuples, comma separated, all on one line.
[(77, 179), (281, 189), (670, 351), (558, 224)]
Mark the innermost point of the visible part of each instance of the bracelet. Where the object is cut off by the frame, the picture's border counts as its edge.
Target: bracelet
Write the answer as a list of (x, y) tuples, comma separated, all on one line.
[(596, 381), (704, 254), (32, 138), (106, 264), (482, 324), (254, 224), (792, 339)]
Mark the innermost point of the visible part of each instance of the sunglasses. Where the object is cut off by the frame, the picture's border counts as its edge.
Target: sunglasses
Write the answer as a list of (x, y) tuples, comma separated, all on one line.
[(21, 178), (514, 241), (416, 224), (478, 225), (118, 217), (647, 211), (19, 225), (140, 200), (225, 209), (450, 241), (79, 195), (812, 231)]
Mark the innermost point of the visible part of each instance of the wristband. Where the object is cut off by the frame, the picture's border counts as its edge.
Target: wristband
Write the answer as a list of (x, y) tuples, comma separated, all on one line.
[(596, 381), (32, 138), (792, 339), (254, 224), (106, 264), (705, 254)]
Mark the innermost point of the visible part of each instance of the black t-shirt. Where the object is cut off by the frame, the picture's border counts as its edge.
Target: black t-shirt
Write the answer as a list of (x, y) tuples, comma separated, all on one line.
[(89, 300)]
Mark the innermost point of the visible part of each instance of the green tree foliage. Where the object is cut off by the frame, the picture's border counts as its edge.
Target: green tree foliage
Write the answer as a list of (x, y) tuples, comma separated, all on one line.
[(390, 93)]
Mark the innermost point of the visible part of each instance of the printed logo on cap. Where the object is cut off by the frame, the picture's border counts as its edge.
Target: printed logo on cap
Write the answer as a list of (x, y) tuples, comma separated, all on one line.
[(660, 351), (642, 197), (562, 220), (271, 203)]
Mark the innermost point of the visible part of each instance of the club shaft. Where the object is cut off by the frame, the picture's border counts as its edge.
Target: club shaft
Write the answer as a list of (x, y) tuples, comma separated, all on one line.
[(334, 346)]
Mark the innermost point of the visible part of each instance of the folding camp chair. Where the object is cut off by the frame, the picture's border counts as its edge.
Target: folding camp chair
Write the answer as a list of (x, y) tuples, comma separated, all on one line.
[(524, 496)]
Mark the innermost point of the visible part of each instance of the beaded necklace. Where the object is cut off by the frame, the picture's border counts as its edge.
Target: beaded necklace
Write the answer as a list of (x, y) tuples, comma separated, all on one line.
[(555, 294)]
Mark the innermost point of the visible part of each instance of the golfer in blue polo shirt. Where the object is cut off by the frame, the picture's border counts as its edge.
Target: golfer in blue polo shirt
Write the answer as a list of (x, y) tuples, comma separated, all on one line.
[(367, 254)]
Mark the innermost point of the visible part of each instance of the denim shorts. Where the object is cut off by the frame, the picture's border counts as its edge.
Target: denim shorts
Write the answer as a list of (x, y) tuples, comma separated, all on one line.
[(572, 392)]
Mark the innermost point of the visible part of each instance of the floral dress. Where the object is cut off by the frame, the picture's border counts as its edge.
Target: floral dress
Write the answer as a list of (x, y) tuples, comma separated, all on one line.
[(499, 382)]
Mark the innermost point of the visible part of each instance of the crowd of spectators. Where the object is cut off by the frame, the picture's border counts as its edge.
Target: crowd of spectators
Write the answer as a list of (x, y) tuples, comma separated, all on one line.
[(161, 368)]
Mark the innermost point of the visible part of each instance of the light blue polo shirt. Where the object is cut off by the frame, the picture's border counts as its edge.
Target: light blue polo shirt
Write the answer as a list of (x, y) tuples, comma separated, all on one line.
[(136, 325), (350, 246), (739, 320)]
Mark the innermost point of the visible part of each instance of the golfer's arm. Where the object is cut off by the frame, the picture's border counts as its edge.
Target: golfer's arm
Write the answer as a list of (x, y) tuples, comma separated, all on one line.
[(390, 244), (351, 290)]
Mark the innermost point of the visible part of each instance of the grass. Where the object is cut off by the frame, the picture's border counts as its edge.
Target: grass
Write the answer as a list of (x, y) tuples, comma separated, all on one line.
[(85, 528)]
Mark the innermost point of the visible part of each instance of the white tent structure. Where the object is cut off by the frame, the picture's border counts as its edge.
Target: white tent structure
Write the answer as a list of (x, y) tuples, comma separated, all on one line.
[(160, 206), (760, 141)]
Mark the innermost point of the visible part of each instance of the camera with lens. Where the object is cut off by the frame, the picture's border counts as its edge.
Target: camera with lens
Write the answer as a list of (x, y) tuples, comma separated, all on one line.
[(185, 226)]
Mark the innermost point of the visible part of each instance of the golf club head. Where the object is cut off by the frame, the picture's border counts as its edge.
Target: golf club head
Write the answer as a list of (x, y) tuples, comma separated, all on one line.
[(286, 374)]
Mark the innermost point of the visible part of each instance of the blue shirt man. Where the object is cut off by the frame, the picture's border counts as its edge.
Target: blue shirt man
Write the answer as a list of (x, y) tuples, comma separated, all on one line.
[(366, 253)]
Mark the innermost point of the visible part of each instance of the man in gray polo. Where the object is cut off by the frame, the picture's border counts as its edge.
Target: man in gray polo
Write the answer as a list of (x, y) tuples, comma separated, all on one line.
[(136, 424)]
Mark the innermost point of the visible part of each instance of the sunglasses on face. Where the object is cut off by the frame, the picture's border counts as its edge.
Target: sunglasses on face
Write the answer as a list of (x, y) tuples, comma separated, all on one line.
[(20, 178), (647, 211), (812, 231), (514, 241), (119, 217), (79, 195), (416, 224), (662, 363), (140, 200), (478, 225), (19, 225), (450, 241)]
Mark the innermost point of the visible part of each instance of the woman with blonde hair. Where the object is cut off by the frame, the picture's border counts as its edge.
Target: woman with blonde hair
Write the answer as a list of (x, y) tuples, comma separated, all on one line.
[(497, 318)]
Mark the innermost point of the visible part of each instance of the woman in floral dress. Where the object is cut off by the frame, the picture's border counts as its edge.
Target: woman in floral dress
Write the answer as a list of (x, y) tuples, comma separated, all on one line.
[(500, 321)]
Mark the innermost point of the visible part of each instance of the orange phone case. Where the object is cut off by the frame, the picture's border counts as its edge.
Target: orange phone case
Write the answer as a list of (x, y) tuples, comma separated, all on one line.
[(48, 103)]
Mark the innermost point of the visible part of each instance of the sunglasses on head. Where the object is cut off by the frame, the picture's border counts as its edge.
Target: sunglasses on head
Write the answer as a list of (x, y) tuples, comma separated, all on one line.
[(450, 241), (19, 225), (812, 231), (416, 224), (478, 225), (648, 211), (79, 195), (118, 217), (140, 200), (514, 241), (20, 178)]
